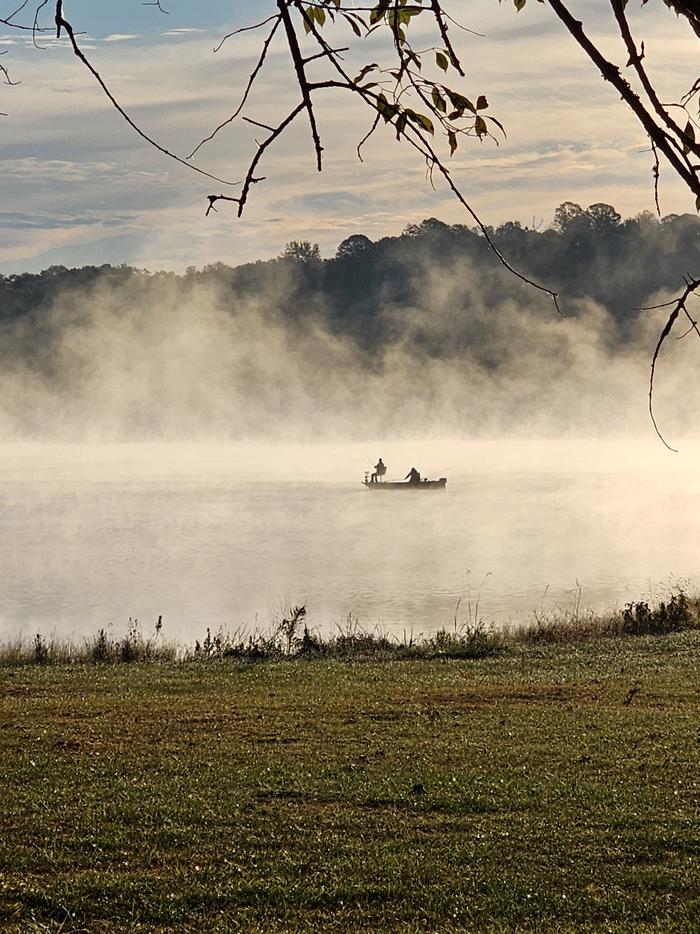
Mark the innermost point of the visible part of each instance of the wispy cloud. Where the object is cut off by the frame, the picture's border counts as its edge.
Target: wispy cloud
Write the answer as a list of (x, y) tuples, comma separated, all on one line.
[(119, 37), (183, 31), (569, 137), (56, 171), (19, 220)]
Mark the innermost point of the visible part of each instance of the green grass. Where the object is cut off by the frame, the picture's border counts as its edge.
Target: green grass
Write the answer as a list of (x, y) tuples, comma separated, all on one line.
[(546, 788)]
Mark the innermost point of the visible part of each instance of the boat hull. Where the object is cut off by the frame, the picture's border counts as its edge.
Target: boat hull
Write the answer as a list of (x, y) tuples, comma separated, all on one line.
[(405, 485)]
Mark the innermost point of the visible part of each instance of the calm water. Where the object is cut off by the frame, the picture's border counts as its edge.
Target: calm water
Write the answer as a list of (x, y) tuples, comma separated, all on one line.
[(209, 535)]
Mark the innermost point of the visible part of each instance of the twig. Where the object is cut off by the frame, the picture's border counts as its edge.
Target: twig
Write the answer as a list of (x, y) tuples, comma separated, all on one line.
[(691, 287), (62, 23), (250, 178), (364, 139), (419, 142), (656, 172), (4, 72), (246, 93), (237, 32)]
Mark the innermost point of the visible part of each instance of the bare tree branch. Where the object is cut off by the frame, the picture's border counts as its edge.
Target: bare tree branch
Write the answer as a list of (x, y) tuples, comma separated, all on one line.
[(155, 3), (442, 26), (250, 178), (298, 60), (237, 32), (679, 305), (62, 23), (246, 92), (611, 73), (688, 144)]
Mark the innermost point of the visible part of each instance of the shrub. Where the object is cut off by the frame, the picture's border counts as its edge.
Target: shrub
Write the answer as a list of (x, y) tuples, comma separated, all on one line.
[(101, 650), (40, 650), (639, 619), (471, 641)]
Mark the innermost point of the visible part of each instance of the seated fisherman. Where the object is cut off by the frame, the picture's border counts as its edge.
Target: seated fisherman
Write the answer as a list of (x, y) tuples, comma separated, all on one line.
[(412, 476), (379, 471)]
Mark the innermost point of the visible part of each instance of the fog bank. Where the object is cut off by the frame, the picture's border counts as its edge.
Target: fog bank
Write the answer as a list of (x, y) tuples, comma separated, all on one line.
[(166, 358)]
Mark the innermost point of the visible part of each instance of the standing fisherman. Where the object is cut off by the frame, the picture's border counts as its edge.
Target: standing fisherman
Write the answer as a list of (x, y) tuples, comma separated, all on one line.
[(412, 476)]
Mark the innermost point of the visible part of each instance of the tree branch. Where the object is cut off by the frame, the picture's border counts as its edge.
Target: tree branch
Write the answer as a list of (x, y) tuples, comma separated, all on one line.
[(250, 178), (680, 305), (62, 23), (442, 26), (611, 73), (298, 60), (246, 92), (635, 60)]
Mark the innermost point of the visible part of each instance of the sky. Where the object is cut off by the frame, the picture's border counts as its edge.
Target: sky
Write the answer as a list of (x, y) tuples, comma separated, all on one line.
[(78, 186)]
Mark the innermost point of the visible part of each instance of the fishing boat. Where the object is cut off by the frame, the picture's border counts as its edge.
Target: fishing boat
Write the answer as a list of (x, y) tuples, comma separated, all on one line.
[(422, 484)]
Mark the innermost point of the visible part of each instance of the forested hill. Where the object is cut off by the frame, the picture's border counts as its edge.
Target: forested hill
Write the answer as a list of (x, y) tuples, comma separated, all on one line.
[(361, 292), (424, 332)]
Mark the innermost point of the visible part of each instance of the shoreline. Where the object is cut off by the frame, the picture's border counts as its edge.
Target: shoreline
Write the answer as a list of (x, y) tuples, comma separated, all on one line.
[(291, 639)]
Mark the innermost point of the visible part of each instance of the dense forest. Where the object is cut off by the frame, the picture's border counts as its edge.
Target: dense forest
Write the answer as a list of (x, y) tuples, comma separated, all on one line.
[(587, 253), (428, 321)]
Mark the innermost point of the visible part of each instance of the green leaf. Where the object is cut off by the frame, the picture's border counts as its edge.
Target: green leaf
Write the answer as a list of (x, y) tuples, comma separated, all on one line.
[(519, 4), (421, 120), (480, 127), (690, 133), (353, 25), (499, 125), (387, 110), (438, 100), (364, 71), (401, 121), (441, 60), (481, 102), (452, 137), (459, 102), (411, 56), (379, 11)]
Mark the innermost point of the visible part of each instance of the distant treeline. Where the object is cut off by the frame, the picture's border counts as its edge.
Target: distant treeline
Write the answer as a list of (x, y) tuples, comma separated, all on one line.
[(364, 289)]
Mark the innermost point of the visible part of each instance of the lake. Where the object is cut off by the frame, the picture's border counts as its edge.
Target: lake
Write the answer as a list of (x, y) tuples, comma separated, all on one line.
[(232, 534)]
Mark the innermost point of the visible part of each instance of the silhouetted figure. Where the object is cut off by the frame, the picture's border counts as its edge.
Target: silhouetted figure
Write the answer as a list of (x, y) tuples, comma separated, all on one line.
[(379, 471), (412, 476)]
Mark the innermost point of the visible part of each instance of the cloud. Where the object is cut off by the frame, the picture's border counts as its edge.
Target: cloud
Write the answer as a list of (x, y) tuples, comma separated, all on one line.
[(183, 31), (17, 220), (60, 171), (568, 138), (120, 37), (327, 202), (75, 247)]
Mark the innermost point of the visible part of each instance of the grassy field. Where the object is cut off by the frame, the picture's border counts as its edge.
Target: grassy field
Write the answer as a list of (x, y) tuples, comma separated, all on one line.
[(551, 787)]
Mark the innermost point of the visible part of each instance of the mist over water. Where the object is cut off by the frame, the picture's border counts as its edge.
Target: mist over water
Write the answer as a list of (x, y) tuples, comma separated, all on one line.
[(170, 359), (210, 534), (167, 447)]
